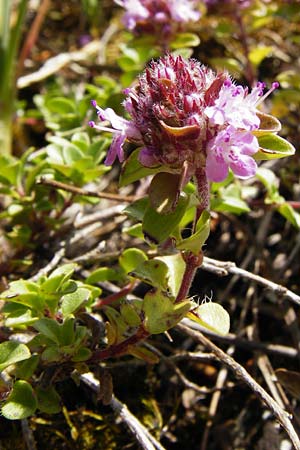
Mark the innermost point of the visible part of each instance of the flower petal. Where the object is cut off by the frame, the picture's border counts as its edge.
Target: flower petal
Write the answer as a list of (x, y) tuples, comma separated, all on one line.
[(244, 167), (216, 168), (115, 150)]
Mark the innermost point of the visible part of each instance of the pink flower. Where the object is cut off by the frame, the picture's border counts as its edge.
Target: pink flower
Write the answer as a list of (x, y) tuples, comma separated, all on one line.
[(162, 17), (231, 148), (236, 107), (186, 117), (121, 128), (167, 107)]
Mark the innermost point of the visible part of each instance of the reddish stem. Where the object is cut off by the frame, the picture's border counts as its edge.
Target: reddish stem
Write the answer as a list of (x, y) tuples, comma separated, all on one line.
[(33, 33), (121, 348), (261, 203), (114, 297), (193, 262)]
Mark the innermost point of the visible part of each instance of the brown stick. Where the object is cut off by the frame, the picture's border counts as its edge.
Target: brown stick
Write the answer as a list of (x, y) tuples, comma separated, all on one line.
[(240, 372), (76, 190), (33, 33)]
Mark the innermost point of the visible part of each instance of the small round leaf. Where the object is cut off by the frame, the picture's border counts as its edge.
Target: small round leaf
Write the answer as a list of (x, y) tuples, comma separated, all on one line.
[(21, 402), (213, 316)]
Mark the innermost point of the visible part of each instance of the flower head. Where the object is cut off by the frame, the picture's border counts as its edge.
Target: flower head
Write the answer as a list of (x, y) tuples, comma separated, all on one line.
[(162, 17), (186, 117)]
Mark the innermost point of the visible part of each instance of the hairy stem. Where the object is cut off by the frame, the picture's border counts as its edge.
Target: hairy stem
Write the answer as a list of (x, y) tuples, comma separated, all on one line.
[(193, 262)]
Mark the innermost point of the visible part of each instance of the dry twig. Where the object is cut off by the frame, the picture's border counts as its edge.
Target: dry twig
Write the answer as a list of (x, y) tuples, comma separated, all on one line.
[(224, 268), (240, 372), (53, 65), (87, 193)]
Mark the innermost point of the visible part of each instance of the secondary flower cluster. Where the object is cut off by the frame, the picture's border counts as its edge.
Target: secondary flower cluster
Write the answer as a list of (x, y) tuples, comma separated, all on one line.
[(183, 114), (161, 17)]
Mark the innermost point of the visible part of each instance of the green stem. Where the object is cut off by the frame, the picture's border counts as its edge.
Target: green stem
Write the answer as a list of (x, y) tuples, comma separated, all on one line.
[(9, 43)]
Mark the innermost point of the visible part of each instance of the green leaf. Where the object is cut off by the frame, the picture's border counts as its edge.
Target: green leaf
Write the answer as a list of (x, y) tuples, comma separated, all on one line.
[(58, 277), (154, 272), (272, 147), (67, 332), (290, 214), (61, 105), (183, 40), (32, 300), (9, 170), (229, 204), (134, 230), (82, 354), (158, 227), (195, 242), (48, 400), (258, 53), (81, 140), (26, 369), (117, 323), (130, 315), (12, 352), (212, 316), (132, 169), (21, 402), (71, 154), (268, 178), (161, 313), (102, 274), (52, 354), (137, 209), (164, 272), (18, 315), (230, 64), (49, 327), (20, 287), (175, 270), (71, 302), (164, 192), (131, 258)]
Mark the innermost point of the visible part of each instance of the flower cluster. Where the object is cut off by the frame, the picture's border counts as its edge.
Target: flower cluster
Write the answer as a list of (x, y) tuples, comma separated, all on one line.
[(161, 17), (183, 114)]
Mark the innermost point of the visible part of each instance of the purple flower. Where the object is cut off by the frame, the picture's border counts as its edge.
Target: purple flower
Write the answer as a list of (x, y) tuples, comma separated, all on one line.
[(236, 107), (161, 17), (121, 128), (167, 107), (185, 117), (231, 148)]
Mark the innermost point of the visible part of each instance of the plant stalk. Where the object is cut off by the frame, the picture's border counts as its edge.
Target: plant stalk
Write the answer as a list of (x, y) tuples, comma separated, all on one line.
[(9, 44), (192, 261)]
